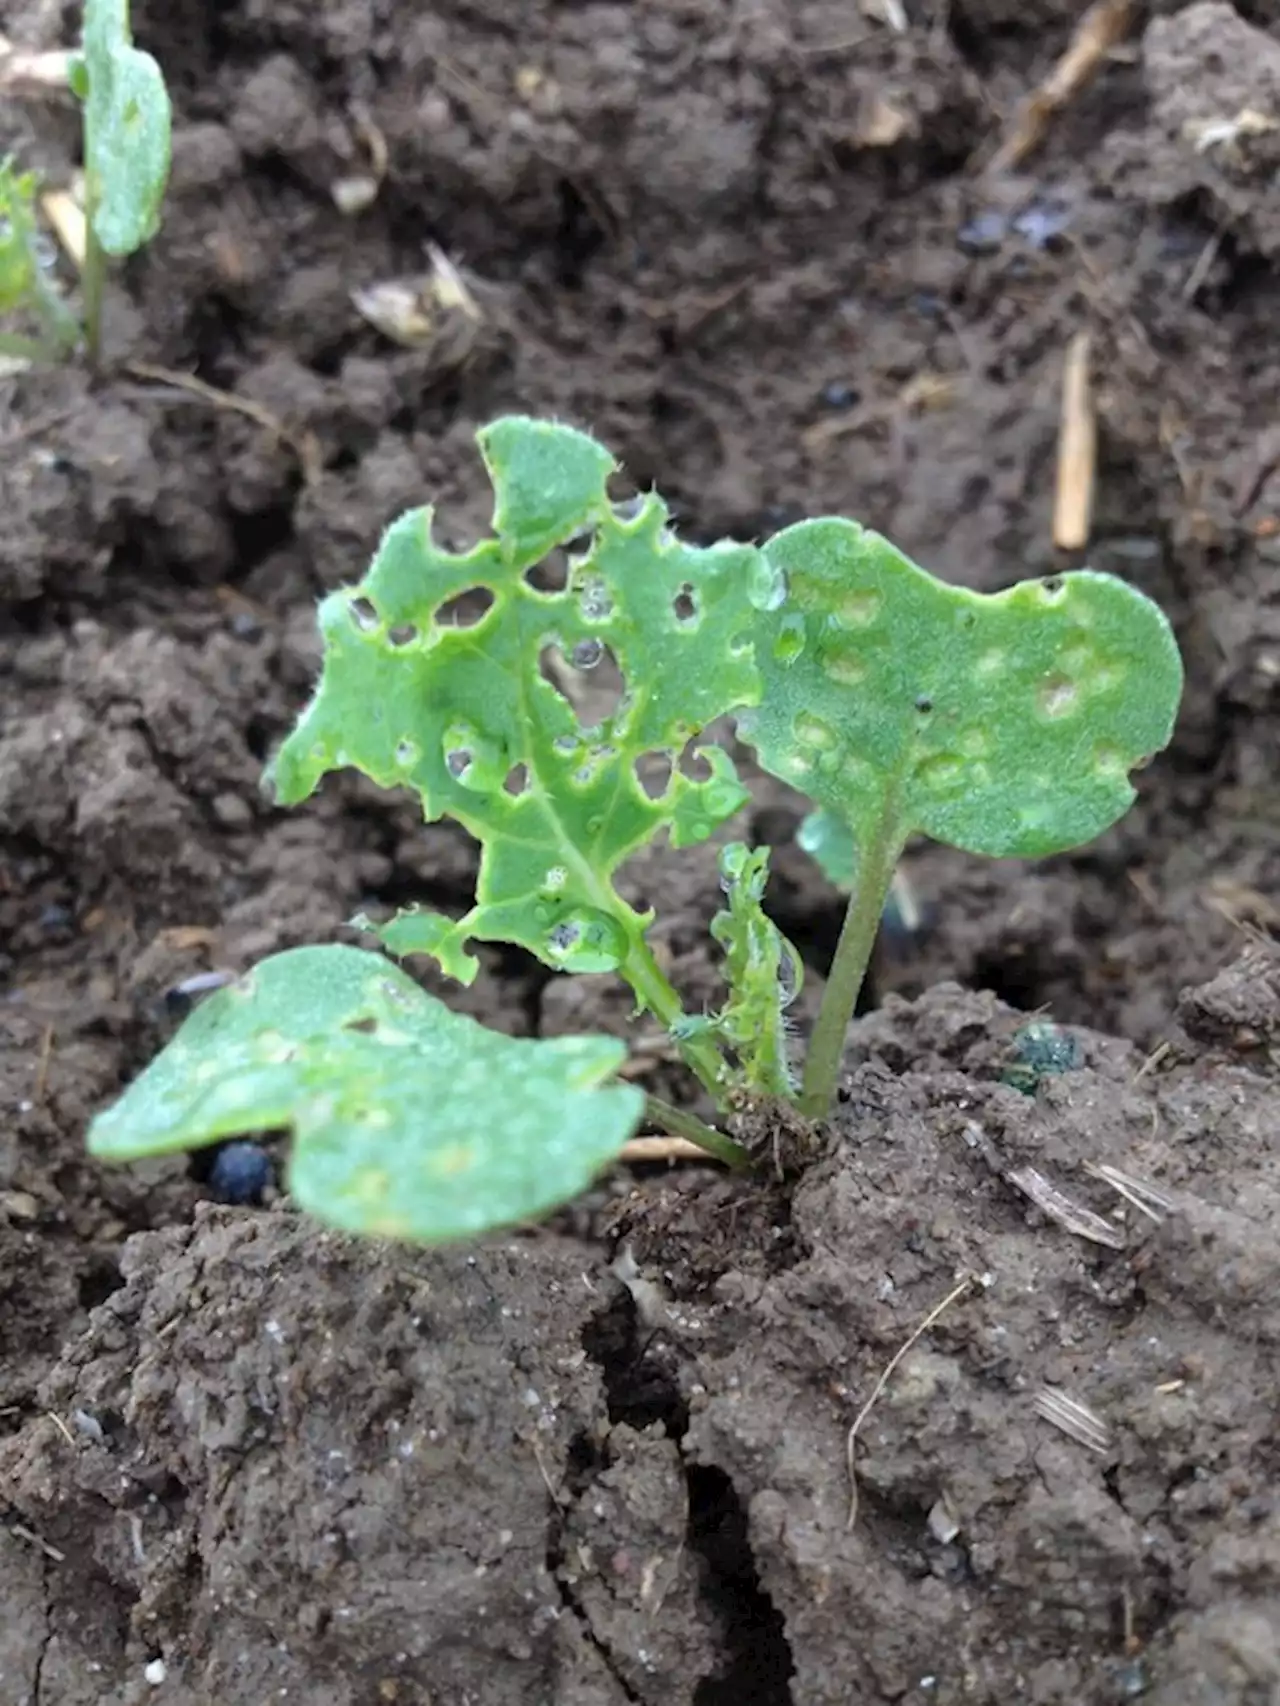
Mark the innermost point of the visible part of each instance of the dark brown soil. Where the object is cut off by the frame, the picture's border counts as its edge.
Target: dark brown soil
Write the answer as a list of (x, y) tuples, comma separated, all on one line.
[(754, 249)]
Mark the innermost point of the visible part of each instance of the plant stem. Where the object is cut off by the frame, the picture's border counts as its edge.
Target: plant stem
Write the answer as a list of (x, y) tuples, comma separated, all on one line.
[(877, 860), (678, 1122), (653, 990), (92, 274)]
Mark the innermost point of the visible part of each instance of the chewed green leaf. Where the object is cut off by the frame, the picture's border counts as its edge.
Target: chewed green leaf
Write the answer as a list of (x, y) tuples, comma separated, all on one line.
[(128, 125), (461, 703), (1006, 724), (409, 1121)]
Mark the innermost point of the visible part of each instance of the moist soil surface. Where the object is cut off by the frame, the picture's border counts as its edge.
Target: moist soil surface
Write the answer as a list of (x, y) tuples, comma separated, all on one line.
[(769, 253)]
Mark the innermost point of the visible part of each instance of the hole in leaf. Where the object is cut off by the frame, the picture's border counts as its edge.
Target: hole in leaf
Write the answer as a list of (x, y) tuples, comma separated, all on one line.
[(366, 1026), (589, 679), (692, 764), (654, 771), (517, 779), (364, 613), (551, 574), (465, 609), (457, 761), (685, 604), (1052, 586), (629, 508), (924, 704), (403, 634)]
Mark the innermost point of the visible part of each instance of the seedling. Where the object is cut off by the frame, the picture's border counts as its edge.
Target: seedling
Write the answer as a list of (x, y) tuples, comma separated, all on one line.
[(1006, 724), (25, 285), (127, 127)]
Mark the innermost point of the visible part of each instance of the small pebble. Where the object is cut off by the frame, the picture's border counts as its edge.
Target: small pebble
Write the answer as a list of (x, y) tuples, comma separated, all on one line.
[(232, 812), (1040, 1050), (54, 917), (1041, 220), (983, 234), (155, 1672), (240, 1173)]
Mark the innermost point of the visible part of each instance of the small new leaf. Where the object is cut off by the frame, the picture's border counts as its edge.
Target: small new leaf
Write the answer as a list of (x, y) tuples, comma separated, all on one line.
[(408, 1121), (471, 716), (763, 972), (127, 128), (1006, 724)]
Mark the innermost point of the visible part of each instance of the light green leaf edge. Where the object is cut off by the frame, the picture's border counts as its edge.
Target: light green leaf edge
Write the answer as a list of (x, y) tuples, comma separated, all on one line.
[(128, 124), (1005, 724), (409, 1121)]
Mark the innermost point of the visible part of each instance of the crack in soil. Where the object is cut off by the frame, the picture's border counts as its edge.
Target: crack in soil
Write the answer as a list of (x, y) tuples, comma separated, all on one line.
[(641, 1388)]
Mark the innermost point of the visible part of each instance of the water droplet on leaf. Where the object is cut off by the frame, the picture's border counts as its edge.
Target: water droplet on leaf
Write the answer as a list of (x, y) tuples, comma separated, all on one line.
[(587, 941), (766, 584), (596, 603)]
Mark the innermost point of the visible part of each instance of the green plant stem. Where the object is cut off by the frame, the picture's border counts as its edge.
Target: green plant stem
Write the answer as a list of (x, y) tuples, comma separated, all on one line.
[(877, 860), (92, 276), (678, 1122), (653, 990)]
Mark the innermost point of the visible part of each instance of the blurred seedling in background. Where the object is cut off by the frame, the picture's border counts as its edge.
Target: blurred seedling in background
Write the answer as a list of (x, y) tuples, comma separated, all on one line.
[(1005, 724), (127, 129)]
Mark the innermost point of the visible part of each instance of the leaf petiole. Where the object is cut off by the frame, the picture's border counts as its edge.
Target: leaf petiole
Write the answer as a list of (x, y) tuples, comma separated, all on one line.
[(679, 1122), (653, 989), (93, 274), (876, 862)]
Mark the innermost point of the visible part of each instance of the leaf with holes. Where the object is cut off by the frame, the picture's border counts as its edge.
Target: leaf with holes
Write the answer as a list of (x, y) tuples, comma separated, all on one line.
[(763, 972), (456, 675), (408, 1121), (1004, 724), (127, 127)]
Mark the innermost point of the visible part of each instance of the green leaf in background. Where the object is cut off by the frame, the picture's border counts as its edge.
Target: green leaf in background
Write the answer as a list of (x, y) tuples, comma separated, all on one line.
[(1005, 724), (471, 718), (763, 972), (127, 127), (18, 266), (408, 1121)]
